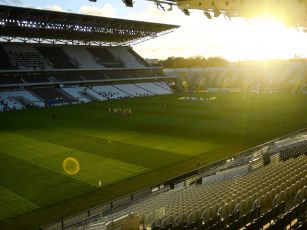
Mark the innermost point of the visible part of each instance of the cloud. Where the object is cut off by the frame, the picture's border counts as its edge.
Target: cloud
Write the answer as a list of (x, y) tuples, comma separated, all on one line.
[(106, 11), (191, 39), (235, 39), (12, 2), (55, 8), (153, 14)]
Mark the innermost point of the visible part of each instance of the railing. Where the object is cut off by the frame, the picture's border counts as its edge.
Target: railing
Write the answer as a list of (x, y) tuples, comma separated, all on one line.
[(23, 85), (123, 202)]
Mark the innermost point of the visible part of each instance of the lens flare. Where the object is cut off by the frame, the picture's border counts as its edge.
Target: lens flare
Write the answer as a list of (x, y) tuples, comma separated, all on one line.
[(71, 166)]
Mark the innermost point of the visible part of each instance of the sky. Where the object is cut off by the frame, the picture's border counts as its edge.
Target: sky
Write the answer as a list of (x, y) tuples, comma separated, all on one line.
[(238, 39)]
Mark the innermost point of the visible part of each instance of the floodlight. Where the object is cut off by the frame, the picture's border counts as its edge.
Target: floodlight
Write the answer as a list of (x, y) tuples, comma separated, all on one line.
[(216, 13), (128, 3), (186, 12), (170, 7), (207, 14)]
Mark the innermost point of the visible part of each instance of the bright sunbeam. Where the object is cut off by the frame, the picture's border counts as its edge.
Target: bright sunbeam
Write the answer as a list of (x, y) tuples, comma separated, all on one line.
[(236, 39), (265, 38)]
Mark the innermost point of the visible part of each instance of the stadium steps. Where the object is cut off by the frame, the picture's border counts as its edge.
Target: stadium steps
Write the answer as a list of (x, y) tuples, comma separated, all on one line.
[(264, 192), (64, 93), (95, 94), (150, 93), (89, 95), (76, 92), (102, 98), (35, 95), (157, 90), (163, 86), (23, 80), (123, 91)]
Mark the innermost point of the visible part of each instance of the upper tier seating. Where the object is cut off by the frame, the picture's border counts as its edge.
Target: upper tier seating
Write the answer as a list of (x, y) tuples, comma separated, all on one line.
[(10, 80), (105, 58), (26, 56), (138, 57), (5, 63), (94, 76), (68, 77), (57, 57), (117, 75), (129, 60), (39, 57), (83, 57), (35, 79)]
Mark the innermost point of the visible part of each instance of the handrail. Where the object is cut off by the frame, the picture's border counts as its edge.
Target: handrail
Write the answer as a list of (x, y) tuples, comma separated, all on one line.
[(182, 177)]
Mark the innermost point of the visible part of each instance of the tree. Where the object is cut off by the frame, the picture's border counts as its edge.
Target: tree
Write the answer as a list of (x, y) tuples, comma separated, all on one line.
[(193, 62)]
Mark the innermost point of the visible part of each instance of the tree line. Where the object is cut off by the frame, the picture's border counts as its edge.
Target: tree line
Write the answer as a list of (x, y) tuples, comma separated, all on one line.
[(193, 62)]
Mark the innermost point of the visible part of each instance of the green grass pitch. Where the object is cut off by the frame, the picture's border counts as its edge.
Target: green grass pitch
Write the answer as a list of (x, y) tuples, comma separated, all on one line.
[(125, 153)]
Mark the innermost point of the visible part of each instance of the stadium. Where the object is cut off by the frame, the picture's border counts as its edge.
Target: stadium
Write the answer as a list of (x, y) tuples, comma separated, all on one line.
[(94, 136)]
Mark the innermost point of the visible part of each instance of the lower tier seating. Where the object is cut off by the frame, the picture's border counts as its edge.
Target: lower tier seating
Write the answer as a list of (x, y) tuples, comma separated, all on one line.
[(265, 198), (52, 96), (44, 96)]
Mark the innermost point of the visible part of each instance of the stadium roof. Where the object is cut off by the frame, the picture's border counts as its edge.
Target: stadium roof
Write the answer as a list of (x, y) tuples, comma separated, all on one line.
[(33, 25)]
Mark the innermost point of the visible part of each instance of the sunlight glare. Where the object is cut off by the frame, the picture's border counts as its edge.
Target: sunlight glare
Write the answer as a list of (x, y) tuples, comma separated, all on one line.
[(265, 38)]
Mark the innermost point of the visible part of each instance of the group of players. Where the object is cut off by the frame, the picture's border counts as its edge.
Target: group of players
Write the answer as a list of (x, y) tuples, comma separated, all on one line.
[(121, 111)]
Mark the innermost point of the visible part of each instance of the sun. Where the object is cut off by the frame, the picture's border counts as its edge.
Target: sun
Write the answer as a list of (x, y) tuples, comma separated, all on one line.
[(264, 38)]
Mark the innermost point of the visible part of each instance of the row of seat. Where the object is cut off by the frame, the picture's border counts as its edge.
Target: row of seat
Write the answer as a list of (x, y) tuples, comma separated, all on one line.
[(263, 189), (76, 77), (33, 57), (40, 97)]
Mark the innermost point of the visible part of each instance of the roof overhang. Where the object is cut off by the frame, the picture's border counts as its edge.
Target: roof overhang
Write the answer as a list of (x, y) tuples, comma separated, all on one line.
[(43, 26)]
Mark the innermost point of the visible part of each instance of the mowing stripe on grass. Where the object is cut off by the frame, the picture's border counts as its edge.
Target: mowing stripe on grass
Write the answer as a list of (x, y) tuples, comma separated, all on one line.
[(132, 154), (93, 169), (13, 204), (37, 184)]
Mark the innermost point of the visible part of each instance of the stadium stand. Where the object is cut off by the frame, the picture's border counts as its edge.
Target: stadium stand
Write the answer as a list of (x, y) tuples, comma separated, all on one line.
[(9, 102), (262, 188), (84, 94), (272, 196), (138, 57), (279, 76), (78, 93), (128, 58), (26, 56), (99, 66), (10, 80), (153, 88), (133, 90), (110, 92), (24, 97), (57, 57), (52, 96), (68, 77), (105, 58), (81, 56), (5, 60), (33, 57), (35, 79)]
